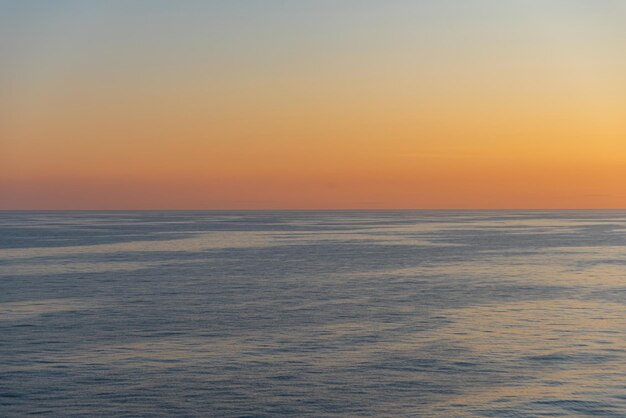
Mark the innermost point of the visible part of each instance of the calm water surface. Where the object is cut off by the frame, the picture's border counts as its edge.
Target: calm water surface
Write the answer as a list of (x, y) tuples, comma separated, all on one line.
[(491, 314)]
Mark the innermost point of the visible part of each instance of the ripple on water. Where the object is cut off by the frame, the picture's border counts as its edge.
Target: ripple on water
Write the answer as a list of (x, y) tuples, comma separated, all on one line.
[(502, 314)]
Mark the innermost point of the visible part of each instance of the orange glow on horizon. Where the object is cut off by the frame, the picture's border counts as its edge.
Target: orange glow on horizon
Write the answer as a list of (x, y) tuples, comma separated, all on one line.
[(469, 121)]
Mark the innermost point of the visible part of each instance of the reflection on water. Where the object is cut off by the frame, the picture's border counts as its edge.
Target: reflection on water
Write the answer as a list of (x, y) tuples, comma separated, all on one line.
[(313, 313), (12, 311)]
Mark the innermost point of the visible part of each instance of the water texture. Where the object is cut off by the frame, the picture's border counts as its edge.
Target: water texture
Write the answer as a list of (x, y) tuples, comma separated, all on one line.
[(426, 313)]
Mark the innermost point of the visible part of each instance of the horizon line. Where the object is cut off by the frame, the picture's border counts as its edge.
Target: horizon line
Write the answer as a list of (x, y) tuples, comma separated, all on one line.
[(318, 210)]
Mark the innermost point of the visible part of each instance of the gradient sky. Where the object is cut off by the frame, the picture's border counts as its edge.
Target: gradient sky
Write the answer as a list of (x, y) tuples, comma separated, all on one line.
[(312, 104)]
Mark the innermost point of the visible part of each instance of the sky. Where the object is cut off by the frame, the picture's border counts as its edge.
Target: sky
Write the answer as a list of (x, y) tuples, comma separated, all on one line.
[(352, 104)]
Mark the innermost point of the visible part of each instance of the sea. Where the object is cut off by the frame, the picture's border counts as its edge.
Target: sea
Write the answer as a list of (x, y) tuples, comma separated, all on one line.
[(313, 314)]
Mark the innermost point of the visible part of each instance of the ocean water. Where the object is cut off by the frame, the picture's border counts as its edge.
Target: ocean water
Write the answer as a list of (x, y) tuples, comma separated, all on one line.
[(225, 314)]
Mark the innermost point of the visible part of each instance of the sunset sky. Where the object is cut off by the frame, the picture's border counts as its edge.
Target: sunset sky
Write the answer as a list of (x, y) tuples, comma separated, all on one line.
[(312, 104)]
